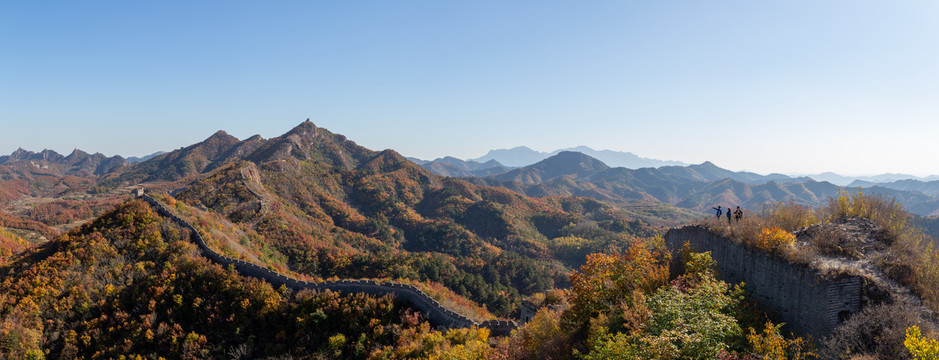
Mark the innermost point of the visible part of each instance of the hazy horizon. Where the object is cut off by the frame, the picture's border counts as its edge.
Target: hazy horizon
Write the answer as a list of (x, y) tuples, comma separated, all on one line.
[(799, 87)]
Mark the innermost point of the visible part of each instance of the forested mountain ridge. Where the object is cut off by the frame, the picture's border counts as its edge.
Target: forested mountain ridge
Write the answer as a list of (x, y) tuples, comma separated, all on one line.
[(567, 163), (583, 166), (211, 153), (305, 142), (130, 283), (696, 187), (453, 167), (328, 207), (930, 188), (48, 162), (26, 173), (309, 203)]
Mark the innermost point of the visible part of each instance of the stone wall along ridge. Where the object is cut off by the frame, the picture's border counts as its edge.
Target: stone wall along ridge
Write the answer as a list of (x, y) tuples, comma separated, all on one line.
[(807, 301), (438, 315)]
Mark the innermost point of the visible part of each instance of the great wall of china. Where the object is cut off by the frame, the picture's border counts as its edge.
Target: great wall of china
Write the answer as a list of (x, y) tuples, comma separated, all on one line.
[(437, 315), (807, 301)]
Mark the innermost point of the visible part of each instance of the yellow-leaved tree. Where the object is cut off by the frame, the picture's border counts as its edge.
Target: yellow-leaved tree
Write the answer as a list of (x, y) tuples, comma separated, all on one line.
[(920, 347)]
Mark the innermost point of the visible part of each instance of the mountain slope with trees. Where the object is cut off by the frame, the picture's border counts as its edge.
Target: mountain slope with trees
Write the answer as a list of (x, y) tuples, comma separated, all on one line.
[(318, 204), (696, 187), (131, 284), (453, 167)]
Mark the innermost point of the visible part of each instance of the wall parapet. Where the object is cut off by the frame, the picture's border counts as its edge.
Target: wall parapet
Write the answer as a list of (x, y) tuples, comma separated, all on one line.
[(438, 315), (809, 302)]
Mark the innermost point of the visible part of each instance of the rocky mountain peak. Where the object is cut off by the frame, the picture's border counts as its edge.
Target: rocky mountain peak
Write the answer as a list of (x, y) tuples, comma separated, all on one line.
[(306, 128), (50, 155), (77, 154), (575, 160), (19, 154), (708, 165), (222, 135)]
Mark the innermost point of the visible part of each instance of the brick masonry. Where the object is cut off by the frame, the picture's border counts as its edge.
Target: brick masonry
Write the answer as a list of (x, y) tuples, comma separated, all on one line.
[(810, 303)]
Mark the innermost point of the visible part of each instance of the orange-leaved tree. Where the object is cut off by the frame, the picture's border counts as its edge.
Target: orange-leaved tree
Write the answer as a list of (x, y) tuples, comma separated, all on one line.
[(608, 280), (774, 239)]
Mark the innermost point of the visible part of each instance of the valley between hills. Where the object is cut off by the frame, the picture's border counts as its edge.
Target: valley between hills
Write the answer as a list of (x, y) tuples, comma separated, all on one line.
[(571, 251)]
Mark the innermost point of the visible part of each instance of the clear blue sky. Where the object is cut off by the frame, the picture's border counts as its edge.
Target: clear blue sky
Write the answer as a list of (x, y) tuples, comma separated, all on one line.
[(768, 86)]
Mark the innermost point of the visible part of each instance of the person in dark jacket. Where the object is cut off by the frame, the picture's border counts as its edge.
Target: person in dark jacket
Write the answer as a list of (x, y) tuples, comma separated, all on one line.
[(728, 216), (738, 214)]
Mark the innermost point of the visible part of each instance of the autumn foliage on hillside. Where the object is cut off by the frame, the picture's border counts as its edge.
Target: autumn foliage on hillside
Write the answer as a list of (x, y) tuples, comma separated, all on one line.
[(885, 239), (62, 211), (10, 245), (315, 206), (13, 189), (130, 283), (391, 219), (626, 306), (901, 249), (10, 221)]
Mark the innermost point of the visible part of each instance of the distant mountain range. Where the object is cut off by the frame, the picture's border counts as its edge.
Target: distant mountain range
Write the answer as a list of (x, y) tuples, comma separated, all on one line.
[(134, 159), (453, 167), (521, 156), (876, 179), (624, 177), (26, 173), (504, 160), (78, 163), (697, 187), (48, 162), (524, 156), (930, 188), (559, 173)]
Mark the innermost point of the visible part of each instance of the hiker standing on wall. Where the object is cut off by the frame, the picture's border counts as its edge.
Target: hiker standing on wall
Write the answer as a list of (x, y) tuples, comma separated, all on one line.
[(728, 216), (738, 214), (719, 211)]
